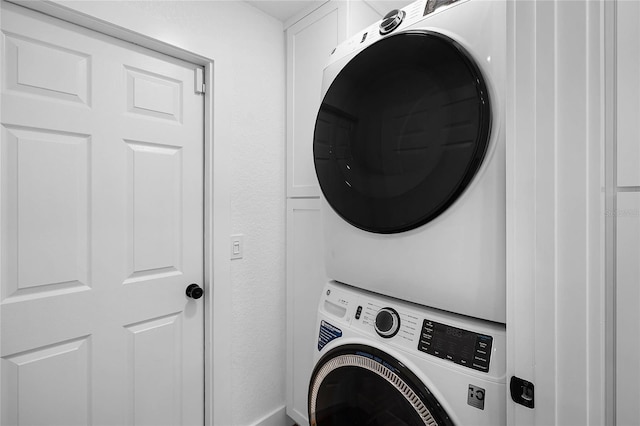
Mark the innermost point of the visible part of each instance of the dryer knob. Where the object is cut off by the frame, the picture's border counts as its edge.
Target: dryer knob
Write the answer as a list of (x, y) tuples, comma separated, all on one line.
[(391, 21), (387, 322)]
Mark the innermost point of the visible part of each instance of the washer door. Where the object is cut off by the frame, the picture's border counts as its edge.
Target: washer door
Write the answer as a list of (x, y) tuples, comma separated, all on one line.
[(361, 385), (401, 132)]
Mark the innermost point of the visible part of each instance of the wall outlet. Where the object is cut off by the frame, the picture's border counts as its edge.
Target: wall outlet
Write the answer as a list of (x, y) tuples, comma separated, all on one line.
[(237, 246)]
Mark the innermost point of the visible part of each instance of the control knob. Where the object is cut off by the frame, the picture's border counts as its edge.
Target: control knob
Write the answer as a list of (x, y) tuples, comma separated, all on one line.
[(391, 21), (387, 322)]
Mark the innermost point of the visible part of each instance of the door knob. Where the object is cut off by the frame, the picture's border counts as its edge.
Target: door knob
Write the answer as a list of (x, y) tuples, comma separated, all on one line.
[(194, 291)]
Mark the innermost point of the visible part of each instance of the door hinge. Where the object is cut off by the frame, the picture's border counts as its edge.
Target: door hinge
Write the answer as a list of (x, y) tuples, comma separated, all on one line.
[(201, 87), (522, 392)]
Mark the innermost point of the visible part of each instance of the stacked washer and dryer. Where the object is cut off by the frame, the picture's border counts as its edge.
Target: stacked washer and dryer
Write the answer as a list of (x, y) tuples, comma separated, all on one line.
[(409, 153)]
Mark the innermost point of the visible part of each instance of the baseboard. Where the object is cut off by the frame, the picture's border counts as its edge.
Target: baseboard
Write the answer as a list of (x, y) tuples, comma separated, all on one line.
[(277, 417)]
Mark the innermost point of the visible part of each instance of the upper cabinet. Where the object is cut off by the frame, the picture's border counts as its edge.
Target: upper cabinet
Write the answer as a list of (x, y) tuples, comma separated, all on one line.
[(310, 41), (628, 90)]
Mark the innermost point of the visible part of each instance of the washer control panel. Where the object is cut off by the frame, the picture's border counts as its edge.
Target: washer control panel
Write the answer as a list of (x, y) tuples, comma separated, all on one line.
[(389, 322), (473, 345), (463, 347)]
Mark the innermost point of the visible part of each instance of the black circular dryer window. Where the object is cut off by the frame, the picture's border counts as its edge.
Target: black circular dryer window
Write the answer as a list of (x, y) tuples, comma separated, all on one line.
[(401, 132), (361, 385)]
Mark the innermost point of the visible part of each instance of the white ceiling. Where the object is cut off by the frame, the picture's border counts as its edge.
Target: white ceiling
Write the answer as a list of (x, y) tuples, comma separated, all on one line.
[(284, 10)]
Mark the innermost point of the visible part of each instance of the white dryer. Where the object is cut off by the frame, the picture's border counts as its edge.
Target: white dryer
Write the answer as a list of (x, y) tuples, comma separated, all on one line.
[(409, 153), (380, 361)]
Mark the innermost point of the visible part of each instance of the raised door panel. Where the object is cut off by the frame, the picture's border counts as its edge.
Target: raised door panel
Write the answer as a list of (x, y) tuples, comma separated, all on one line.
[(306, 277), (310, 42), (47, 70), (153, 95), (47, 253), (627, 313), (154, 372), (154, 180), (49, 385)]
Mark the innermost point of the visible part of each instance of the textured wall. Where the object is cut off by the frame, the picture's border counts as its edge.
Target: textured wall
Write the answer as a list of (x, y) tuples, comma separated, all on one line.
[(248, 49)]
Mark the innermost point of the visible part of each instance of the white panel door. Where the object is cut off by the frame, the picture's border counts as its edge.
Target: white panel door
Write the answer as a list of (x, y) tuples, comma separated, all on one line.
[(101, 177)]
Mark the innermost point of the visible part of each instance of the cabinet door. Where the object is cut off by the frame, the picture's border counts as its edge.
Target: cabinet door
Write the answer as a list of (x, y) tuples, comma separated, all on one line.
[(628, 317), (628, 90), (305, 280), (309, 45)]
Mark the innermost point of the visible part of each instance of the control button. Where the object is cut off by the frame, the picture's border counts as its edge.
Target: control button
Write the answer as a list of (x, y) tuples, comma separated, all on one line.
[(391, 21), (387, 322), (358, 312)]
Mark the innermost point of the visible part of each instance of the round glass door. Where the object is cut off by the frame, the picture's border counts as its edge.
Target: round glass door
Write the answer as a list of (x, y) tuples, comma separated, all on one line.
[(401, 132), (360, 385)]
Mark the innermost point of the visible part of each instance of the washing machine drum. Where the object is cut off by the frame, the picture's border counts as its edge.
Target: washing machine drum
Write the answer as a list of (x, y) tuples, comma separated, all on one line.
[(361, 385), (401, 132)]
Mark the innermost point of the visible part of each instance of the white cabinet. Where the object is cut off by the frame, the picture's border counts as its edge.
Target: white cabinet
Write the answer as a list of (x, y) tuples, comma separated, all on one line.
[(305, 279), (309, 45), (627, 314), (310, 42), (628, 92)]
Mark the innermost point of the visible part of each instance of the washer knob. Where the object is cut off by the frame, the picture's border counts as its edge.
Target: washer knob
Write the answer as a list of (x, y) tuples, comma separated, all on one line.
[(387, 322), (391, 21)]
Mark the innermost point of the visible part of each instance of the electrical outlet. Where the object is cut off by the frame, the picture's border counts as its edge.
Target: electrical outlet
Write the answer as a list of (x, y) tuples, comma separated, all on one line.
[(237, 246)]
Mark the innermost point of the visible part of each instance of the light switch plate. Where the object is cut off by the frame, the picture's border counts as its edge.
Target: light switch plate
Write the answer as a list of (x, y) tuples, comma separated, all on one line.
[(237, 246)]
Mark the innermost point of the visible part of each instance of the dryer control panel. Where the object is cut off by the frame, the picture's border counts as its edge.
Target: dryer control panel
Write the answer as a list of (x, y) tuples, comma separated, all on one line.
[(394, 21)]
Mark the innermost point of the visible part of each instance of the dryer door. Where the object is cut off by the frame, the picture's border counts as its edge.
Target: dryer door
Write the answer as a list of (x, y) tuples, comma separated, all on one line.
[(401, 132), (361, 385)]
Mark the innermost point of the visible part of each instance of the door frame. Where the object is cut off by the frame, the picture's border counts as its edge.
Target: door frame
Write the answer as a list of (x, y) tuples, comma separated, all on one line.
[(216, 199)]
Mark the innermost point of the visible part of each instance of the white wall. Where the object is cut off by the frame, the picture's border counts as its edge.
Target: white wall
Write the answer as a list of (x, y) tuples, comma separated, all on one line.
[(248, 50)]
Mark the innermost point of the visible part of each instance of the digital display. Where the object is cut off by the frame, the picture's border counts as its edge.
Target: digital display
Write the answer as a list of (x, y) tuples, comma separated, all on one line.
[(453, 340), (463, 347)]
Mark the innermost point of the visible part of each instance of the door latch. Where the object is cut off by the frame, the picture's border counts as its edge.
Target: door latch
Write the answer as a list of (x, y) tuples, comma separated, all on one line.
[(522, 392)]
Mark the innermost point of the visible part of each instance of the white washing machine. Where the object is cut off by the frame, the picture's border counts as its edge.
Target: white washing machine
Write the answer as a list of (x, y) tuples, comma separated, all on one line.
[(381, 361), (409, 152)]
